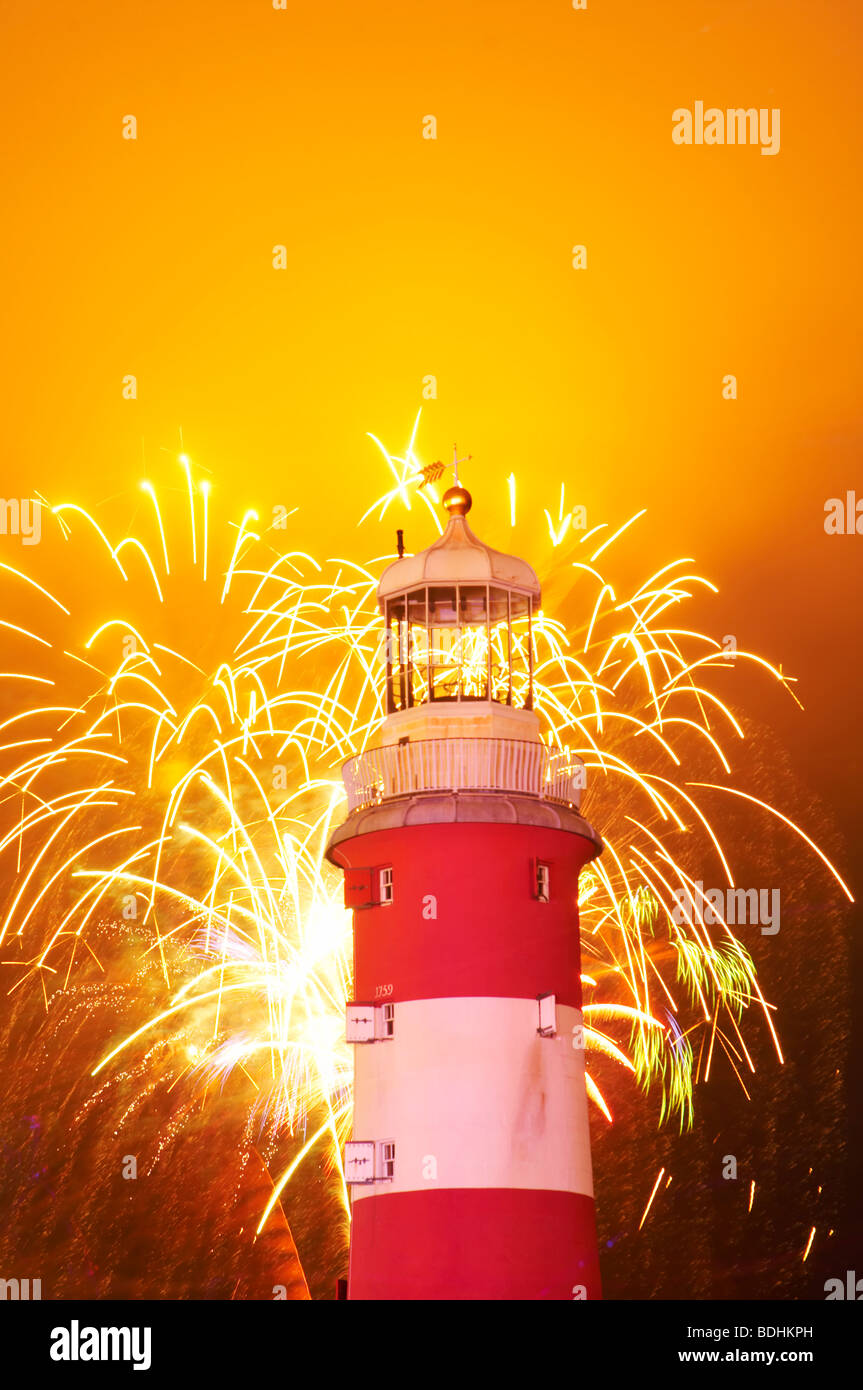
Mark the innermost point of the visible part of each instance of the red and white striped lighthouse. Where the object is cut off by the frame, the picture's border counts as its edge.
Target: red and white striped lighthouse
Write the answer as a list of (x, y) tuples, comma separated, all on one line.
[(469, 1163)]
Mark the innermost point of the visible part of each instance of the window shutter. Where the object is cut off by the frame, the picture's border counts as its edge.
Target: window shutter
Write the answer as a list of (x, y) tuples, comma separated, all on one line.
[(360, 1161), (360, 1022), (358, 888), (533, 885)]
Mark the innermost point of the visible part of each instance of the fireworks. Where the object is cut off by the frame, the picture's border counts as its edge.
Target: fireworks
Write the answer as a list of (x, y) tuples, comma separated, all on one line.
[(173, 768)]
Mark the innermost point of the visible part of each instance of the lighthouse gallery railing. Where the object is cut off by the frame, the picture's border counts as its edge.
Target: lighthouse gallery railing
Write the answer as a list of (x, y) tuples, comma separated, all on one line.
[(463, 764)]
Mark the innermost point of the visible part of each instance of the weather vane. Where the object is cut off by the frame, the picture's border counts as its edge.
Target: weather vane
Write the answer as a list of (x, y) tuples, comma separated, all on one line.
[(434, 471)]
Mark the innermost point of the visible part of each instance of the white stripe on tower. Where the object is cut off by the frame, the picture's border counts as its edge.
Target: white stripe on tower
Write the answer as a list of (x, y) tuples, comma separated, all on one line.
[(473, 1097)]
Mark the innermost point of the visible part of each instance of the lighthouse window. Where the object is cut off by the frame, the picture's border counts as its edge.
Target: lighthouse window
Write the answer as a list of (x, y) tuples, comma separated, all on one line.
[(543, 882), (389, 1019), (547, 1015), (388, 1159), (385, 886)]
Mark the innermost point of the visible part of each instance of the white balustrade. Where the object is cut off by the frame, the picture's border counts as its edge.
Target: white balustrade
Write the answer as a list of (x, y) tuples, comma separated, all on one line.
[(463, 764)]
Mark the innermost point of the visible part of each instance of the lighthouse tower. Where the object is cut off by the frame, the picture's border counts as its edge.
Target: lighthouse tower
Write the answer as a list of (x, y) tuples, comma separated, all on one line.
[(469, 1164)]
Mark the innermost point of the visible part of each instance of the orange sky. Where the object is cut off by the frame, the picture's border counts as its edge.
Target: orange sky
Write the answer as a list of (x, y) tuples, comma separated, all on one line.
[(452, 257)]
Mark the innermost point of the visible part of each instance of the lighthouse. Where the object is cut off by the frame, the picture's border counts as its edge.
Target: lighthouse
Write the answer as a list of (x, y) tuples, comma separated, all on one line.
[(469, 1163)]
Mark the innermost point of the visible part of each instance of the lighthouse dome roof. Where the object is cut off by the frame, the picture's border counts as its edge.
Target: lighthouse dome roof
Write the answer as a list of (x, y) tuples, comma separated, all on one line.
[(458, 557)]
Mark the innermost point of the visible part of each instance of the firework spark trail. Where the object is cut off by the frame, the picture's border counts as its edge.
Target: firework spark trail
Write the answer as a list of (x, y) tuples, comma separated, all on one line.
[(227, 785)]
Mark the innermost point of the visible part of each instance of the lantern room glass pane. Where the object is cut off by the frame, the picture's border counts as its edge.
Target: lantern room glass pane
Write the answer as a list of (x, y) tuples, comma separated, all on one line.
[(444, 662), (442, 606), (444, 643), (498, 605), (498, 608), (474, 663), (473, 610), (417, 607), (473, 603), (418, 638), (521, 659), (397, 655)]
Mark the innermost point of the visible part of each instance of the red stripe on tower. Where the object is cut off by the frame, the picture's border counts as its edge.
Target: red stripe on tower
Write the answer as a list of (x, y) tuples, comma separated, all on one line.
[(469, 1164)]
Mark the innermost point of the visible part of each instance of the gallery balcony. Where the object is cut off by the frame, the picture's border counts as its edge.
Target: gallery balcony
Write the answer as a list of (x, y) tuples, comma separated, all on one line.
[(463, 764)]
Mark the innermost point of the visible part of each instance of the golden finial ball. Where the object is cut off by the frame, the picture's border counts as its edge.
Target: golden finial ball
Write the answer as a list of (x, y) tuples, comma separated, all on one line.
[(457, 501)]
